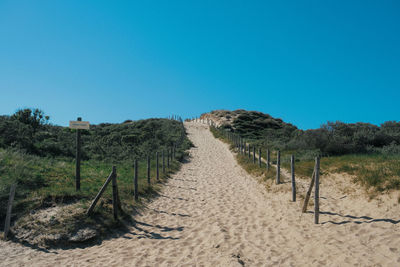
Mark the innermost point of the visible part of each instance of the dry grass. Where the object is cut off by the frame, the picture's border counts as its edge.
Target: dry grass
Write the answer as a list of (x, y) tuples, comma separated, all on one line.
[(376, 172), (254, 169)]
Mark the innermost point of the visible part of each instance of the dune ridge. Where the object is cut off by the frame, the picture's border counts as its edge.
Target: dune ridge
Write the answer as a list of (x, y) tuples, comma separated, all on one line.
[(212, 213)]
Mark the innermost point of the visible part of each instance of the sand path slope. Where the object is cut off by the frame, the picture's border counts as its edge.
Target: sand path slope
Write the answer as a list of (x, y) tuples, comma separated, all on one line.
[(212, 213)]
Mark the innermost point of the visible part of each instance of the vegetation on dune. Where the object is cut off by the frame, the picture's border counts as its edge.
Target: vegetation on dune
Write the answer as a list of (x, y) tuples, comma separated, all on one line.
[(371, 153), (131, 139), (374, 171), (40, 159), (244, 160), (333, 138)]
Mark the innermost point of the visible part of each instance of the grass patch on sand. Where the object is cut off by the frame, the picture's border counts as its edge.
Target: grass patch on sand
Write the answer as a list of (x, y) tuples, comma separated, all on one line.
[(375, 172), (254, 169), (244, 161), (48, 182)]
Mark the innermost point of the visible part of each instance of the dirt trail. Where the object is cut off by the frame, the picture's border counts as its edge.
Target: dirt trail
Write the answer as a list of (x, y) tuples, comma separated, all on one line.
[(212, 213)]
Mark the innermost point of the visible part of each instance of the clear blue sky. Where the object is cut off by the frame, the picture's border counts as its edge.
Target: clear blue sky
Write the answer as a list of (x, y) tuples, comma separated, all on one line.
[(306, 62)]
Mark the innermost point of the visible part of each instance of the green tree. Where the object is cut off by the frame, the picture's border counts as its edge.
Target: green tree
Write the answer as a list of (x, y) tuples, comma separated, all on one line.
[(34, 118)]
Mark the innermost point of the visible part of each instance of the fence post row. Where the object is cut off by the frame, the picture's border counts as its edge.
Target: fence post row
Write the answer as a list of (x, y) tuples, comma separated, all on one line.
[(242, 146)]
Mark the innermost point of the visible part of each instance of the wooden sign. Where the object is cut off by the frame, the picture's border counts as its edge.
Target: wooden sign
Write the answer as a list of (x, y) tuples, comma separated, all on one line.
[(83, 125)]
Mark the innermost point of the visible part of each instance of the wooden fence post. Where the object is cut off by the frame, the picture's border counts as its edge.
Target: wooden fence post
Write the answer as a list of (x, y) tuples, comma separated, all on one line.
[(135, 180), (249, 151), (158, 173), (293, 178), (114, 193), (163, 162), (103, 188), (316, 192), (9, 209), (278, 168), (78, 159), (237, 142), (259, 157), (168, 157), (148, 169), (308, 194), (254, 154), (268, 159)]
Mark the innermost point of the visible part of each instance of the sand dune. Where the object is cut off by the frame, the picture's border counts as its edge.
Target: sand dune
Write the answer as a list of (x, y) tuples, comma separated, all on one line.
[(212, 213)]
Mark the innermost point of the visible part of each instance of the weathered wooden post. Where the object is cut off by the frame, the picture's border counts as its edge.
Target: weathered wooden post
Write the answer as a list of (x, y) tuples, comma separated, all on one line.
[(135, 180), (157, 171), (102, 189), (9, 209), (168, 153), (308, 194), (114, 193), (78, 125), (249, 151), (268, 159), (259, 157), (163, 162), (175, 147), (254, 154), (78, 159), (316, 192), (148, 169), (278, 168), (293, 178)]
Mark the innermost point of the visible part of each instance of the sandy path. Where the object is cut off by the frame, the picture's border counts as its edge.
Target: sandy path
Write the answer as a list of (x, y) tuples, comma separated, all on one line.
[(212, 213)]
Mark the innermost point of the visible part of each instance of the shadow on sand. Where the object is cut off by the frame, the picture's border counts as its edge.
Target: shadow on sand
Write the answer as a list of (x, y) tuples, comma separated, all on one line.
[(355, 219)]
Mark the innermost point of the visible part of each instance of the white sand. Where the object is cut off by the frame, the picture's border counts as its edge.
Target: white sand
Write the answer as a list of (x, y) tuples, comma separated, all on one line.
[(212, 213)]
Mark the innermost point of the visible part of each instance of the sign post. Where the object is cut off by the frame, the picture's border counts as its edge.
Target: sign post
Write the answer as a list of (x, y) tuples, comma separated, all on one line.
[(78, 125)]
